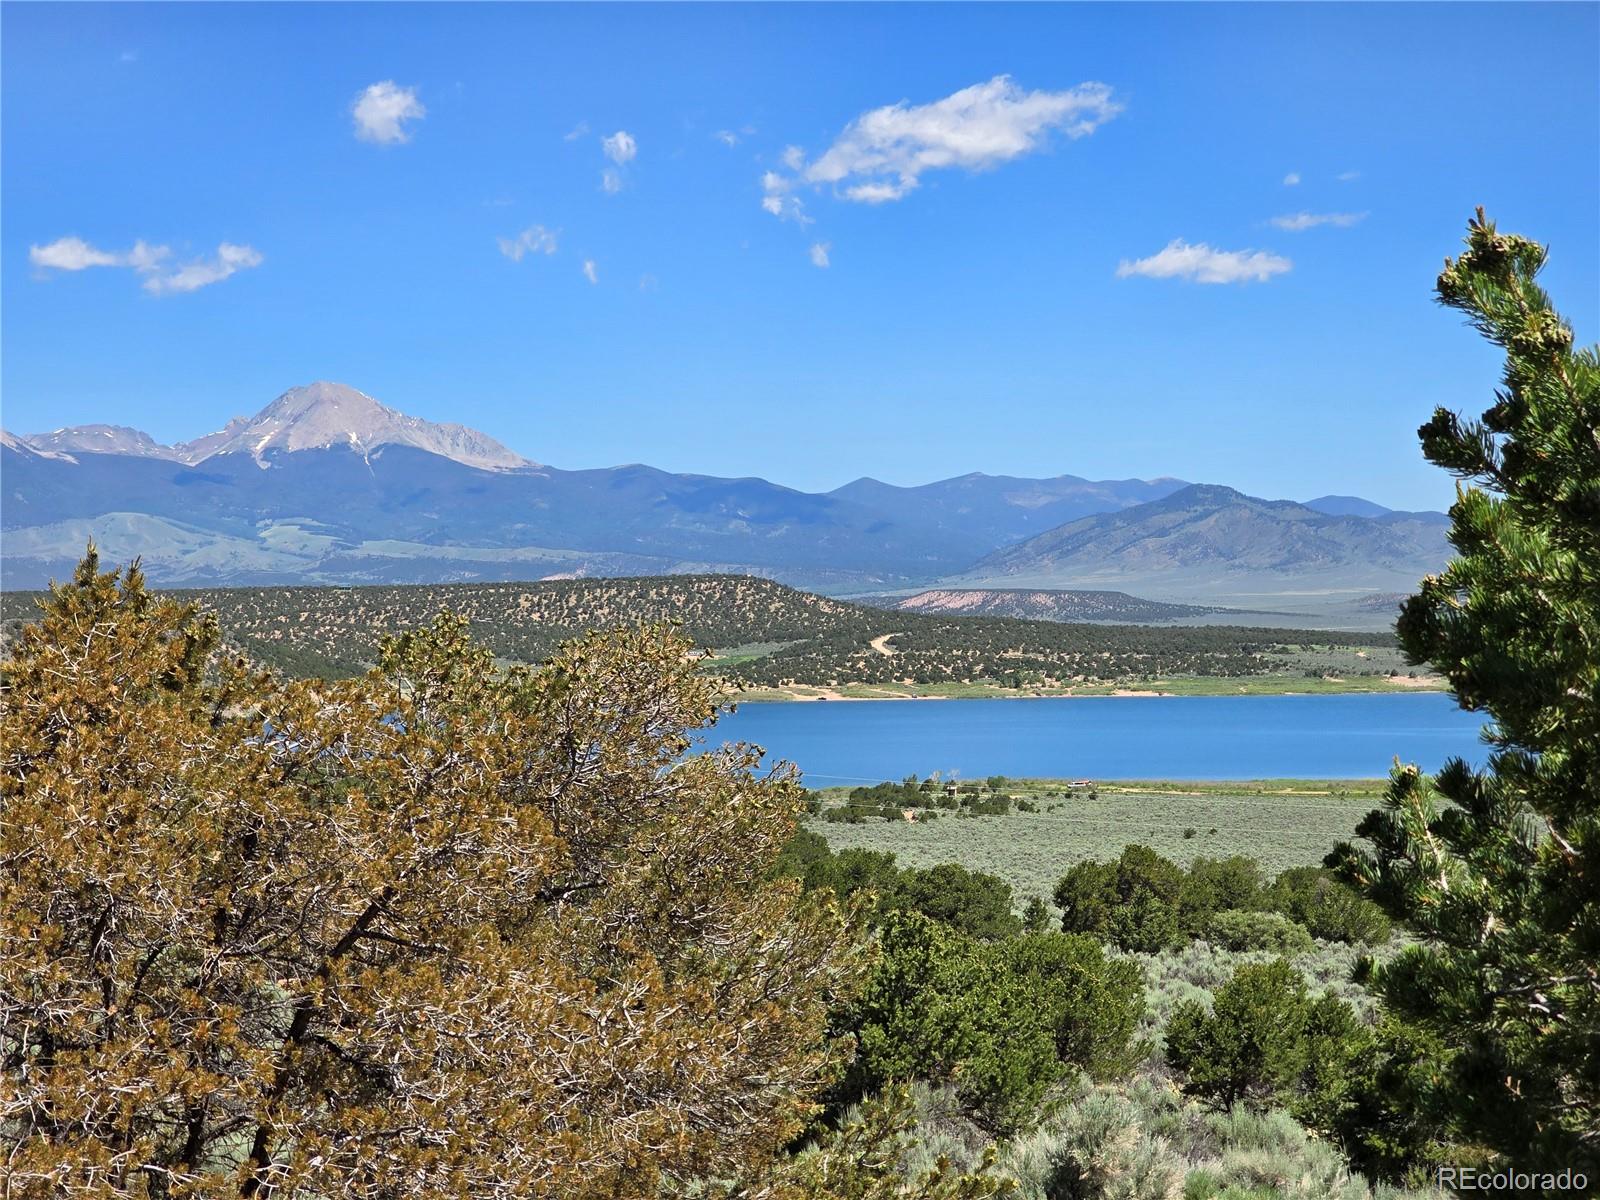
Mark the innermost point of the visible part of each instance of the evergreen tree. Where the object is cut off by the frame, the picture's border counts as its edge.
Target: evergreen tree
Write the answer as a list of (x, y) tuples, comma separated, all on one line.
[(1132, 903), (1252, 1044), (1498, 870), (444, 930), (944, 1007), (1092, 1002), (1036, 916)]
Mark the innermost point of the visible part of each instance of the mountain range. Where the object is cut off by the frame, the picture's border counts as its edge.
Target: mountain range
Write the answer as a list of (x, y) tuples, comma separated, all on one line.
[(327, 485), (1206, 539)]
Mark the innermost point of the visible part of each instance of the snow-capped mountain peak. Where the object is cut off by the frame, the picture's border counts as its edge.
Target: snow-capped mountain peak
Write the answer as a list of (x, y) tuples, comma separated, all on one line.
[(324, 415)]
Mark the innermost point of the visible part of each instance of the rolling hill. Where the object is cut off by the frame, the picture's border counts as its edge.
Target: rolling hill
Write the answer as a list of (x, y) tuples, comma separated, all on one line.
[(766, 635)]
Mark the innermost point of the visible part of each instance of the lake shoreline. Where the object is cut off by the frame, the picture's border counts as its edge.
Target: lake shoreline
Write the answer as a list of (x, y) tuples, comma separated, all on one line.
[(780, 696)]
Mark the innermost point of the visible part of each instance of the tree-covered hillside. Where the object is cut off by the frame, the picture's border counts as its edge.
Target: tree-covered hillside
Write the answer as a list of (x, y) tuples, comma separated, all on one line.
[(763, 634)]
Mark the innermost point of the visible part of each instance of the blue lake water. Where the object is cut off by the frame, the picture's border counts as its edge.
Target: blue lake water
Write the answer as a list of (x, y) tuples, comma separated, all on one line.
[(1124, 737)]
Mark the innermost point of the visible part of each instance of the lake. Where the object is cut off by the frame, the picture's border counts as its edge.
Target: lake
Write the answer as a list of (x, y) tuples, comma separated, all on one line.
[(1124, 737)]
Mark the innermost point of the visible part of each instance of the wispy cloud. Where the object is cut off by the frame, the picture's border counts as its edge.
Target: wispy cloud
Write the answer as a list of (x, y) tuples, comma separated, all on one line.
[(648, 282), (536, 239), (75, 254), (590, 271), (819, 253), (1292, 179), (1348, 176), (883, 154), (203, 272), (1301, 221), (576, 132), (778, 199), (727, 137), (1203, 264), (380, 113), (620, 147)]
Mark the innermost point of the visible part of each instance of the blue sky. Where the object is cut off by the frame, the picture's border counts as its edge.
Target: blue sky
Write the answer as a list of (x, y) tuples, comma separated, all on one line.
[(1013, 278)]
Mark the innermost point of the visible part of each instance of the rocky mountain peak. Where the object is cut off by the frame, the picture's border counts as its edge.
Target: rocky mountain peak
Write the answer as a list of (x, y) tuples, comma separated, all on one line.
[(99, 439), (324, 415)]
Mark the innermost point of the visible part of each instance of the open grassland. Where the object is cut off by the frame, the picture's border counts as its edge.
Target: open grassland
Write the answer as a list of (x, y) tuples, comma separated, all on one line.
[(1280, 823), (781, 643)]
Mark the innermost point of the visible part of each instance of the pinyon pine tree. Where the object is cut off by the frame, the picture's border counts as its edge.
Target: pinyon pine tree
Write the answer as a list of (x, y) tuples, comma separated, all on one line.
[(444, 931), (1498, 870)]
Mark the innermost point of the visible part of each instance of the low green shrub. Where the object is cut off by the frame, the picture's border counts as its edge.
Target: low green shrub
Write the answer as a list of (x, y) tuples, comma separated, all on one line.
[(1145, 902), (974, 902), (1214, 885), (1329, 909), (1000, 1022), (1144, 1141), (1093, 1149), (1233, 929), (936, 1009), (1092, 1004)]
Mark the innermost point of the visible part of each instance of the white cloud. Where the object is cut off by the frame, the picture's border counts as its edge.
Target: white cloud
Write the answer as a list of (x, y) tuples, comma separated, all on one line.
[(1348, 176), (727, 137), (648, 282), (1292, 179), (1300, 221), (882, 154), (620, 147), (381, 111), (819, 253), (777, 199), (874, 193), (536, 239), (75, 254), (590, 271), (577, 131), (193, 276), (145, 257), (1202, 264)]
